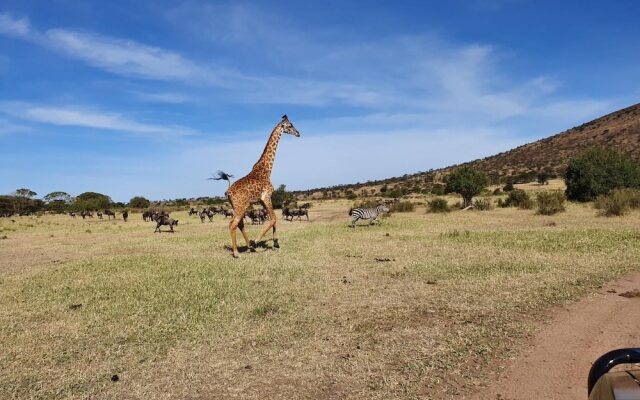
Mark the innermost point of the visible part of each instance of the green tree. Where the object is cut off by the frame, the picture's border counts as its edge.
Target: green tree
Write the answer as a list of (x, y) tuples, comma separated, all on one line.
[(543, 178), (58, 196), (92, 201), (280, 197), (509, 186), (26, 193), (599, 170), (467, 182), (139, 202)]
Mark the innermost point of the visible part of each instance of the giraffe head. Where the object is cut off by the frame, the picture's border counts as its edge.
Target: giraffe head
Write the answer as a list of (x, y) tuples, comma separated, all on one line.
[(287, 127)]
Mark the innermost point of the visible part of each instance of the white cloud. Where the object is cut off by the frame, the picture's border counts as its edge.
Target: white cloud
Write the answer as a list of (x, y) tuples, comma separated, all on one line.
[(14, 27), (79, 117), (166, 97)]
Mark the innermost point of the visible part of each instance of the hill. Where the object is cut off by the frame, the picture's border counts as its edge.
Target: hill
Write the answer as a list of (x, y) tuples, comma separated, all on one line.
[(619, 129)]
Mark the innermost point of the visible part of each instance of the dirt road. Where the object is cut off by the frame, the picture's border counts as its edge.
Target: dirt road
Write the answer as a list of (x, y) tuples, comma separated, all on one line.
[(555, 364)]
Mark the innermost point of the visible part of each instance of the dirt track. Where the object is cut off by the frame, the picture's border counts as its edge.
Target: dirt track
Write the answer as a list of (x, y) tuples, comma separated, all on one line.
[(556, 362)]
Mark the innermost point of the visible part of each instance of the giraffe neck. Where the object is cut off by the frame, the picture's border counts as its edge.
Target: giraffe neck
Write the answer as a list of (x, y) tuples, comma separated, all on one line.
[(265, 163)]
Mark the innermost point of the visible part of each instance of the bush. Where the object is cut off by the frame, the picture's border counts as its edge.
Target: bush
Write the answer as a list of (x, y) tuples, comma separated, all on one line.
[(597, 171), (483, 205), (437, 189), (403, 206), (370, 203), (497, 192), (551, 202), (438, 205), (508, 187), (518, 198), (618, 202)]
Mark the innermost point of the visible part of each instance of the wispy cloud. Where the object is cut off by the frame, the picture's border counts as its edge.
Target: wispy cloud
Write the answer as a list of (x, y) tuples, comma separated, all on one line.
[(80, 117), (162, 97)]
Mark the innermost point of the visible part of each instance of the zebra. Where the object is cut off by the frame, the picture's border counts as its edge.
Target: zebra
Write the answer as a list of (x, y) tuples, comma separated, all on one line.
[(367, 213)]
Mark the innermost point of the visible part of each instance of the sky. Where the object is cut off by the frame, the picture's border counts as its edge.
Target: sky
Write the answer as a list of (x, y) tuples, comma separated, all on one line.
[(150, 98)]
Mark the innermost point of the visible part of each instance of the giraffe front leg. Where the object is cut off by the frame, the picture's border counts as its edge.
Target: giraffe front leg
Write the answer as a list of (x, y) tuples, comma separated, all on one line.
[(266, 203), (232, 228)]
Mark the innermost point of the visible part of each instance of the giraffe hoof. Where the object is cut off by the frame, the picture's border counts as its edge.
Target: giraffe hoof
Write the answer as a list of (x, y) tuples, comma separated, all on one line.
[(235, 255), (252, 245), (276, 244)]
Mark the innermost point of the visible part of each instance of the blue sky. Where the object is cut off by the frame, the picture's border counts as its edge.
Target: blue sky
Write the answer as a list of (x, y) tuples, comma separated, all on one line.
[(150, 97)]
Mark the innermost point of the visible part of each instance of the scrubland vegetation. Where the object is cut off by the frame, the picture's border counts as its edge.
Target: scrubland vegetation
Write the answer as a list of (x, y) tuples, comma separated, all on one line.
[(419, 306)]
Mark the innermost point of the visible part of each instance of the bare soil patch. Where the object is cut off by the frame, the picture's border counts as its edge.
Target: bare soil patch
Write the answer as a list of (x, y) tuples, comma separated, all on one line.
[(556, 361)]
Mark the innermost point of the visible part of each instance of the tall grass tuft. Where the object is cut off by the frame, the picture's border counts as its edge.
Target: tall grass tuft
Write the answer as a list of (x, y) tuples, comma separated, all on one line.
[(518, 198), (551, 202), (618, 202), (438, 205), (403, 206)]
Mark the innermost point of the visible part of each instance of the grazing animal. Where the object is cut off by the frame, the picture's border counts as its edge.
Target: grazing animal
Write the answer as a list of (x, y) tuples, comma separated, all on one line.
[(257, 187), (146, 216), (165, 220), (290, 213), (73, 214), (193, 211), (125, 215), (110, 214), (227, 213), (206, 213), (86, 213), (367, 213), (99, 214)]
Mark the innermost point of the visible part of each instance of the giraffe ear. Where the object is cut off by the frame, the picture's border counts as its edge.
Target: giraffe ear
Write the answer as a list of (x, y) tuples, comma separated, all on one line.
[(284, 117)]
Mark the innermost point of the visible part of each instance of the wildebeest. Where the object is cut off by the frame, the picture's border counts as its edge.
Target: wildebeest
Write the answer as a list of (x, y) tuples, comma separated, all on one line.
[(99, 214), (227, 213), (193, 211), (290, 213), (125, 215), (256, 216), (86, 213), (110, 214), (165, 220), (73, 214), (206, 213)]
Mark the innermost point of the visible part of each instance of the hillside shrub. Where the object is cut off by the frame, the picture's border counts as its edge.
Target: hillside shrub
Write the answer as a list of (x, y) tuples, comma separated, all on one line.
[(551, 202), (437, 189), (438, 205), (518, 198), (403, 206), (483, 205), (597, 171)]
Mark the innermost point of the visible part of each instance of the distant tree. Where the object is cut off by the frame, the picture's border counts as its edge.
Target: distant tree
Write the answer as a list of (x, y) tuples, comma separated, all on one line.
[(139, 202), (58, 196), (467, 182), (27, 193), (280, 197), (599, 170), (508, 187), (543, 178), (21, 200), (92, 201)]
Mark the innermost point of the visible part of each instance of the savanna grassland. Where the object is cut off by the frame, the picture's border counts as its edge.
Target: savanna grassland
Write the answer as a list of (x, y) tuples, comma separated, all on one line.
[(421, 306)]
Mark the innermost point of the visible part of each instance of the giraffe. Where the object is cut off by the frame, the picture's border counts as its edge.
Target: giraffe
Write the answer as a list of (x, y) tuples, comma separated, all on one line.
[(257, 187)]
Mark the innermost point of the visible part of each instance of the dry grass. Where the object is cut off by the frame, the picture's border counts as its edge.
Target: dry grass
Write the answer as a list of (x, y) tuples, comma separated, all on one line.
[(176, 317)]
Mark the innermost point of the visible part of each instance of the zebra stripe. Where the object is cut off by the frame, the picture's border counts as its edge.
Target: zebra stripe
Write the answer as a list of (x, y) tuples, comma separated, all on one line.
[(367, 213)]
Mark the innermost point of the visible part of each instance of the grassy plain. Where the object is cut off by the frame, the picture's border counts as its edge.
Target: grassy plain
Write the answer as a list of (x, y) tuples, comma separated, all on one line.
[(421, 306)]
